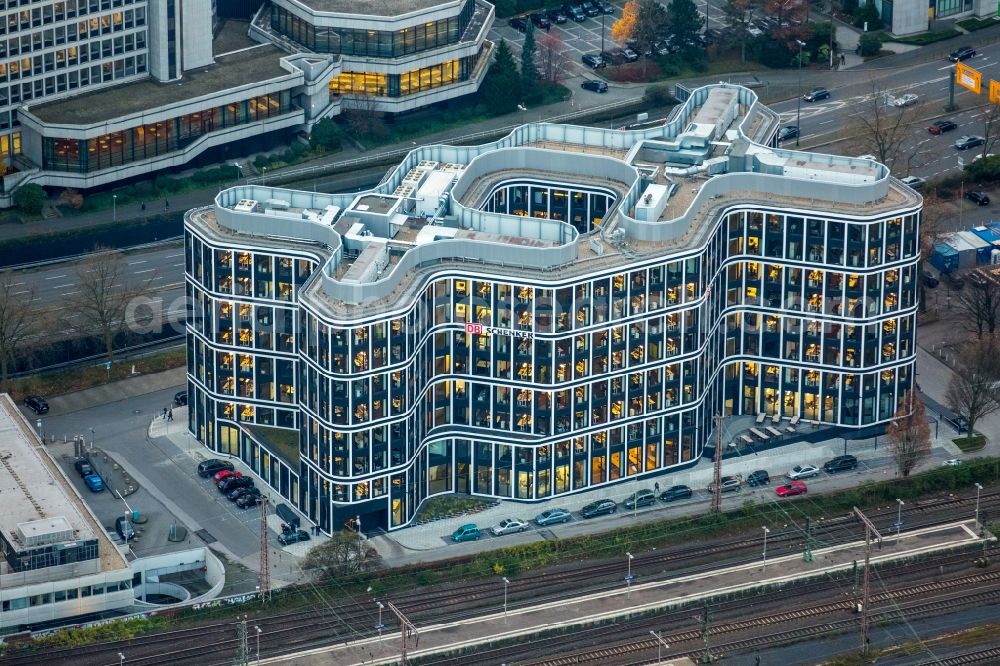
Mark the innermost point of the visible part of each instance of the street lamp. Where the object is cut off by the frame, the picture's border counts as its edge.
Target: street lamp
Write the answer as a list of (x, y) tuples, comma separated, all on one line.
[(121, 658), (660, 644), (239, 173), (602, 35), (259, 632), (798, 105), (628, 577), (379, 626), (263, 177), (766, 532), (979, 489), (114, 207), (899, 517), (505, 584)]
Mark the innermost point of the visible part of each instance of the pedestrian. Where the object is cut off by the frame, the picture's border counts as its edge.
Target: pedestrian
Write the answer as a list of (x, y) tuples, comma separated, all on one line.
[(843, 59), (166, 205), (656, 487), (164, 413), (170, 415), (142, 206)]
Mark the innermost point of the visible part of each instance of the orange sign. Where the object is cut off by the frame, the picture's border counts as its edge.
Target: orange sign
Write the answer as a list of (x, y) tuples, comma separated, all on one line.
[(995, 91), (968, 78)]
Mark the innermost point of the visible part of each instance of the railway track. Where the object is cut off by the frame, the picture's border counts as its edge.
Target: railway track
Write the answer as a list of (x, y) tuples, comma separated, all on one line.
[(985, 656), (325, 624)]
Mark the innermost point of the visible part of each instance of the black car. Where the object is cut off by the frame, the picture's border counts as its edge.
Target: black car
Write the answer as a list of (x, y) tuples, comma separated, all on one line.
[(37, 404), (963, 53), (788, 132), (593, 60), (557, 16), (676, 493), (596, 85), (248, 498), (955, 282), (82, 467), (598, 508), (519, 23), (236, 493), (978, 281), (759, 477), (541, 20), (289, 538), (942, 126), (930, 281), (180, 399), (959, 423), (979, 198), (840, 464), (575, 12), (231, 483), (213, 466), (816, 94), (591, 8), (640, 498)]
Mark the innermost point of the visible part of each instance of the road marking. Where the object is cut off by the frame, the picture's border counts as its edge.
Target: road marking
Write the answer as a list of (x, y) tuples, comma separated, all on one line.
[(69, 293), (148, 270), (133, 263), (170, 256), (26, 291), (56, 277), (63, 286), (180, 264)]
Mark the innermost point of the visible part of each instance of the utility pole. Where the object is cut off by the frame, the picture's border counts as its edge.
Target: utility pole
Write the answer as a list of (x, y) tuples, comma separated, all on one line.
[(265, 566), (406, 629), (717, 485), (807, 554), (242, 656), (866, 583), (706, 622)]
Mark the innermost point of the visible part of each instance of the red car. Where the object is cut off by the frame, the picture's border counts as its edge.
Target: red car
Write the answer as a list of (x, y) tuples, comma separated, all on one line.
[(791, 488), (225, 474)]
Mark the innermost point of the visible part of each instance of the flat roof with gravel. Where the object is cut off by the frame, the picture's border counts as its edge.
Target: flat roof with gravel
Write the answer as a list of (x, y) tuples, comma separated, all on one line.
[(371, 7)]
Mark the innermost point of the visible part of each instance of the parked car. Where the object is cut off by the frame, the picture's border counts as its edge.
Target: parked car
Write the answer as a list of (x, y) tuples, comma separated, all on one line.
[(212, 466), (803, 472), (225, 474), (978, 198), (599, 508), (952, 462), (840, 464), (816, 94), (758, 477), (94, 482), (930, 281), (575, 12), (606, 7), (519, 23), (590, 8), (970, 141), (954, 281), (83, 467), (905, 100), (557, 16), (466, 533), (913, 182), (234, 494), (791, 488), (674, 493), (942, 126), (978, 280), (37, 404), (234, 482), (541, 20), (596, 85), (552, 516), (181, 399), (593, 60), (294, 536), (868, 156), (509, 526), (962, 53), (248, 498), (629, 55), (788, 132), (730, 484), (958, 422), (640, 498), (124, 529)]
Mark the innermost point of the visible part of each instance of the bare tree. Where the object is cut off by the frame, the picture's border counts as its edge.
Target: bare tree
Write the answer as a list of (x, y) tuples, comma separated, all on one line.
[(104, 293), (885, 130), (344, 553), (363, 115), (979, 308), (931, 224), (552, 59), (19, 318), (991, 129), (972, 392), (908, 434)]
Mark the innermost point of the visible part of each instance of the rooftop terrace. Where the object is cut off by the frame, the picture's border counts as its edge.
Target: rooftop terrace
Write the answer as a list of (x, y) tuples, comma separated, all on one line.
[(373, 7)]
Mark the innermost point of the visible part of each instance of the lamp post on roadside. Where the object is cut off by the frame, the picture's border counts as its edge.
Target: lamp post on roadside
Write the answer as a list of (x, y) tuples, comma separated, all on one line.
[(766, 532), (798, 104), (259, 632), (114, 208), (659, 644), (263, 177), (379, 626), (239, 173), (121, 658), (979, 489), (899, 517), (505, 584), (628, 577), (602, 35)]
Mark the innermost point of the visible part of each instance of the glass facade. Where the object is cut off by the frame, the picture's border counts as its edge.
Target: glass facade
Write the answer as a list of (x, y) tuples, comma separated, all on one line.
[(584, 208), (401, 85), (525, 390)]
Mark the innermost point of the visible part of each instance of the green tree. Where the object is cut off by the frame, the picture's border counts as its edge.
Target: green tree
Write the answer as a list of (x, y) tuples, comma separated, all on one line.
[(327, 135), (684, 20), (30, 198), (737, 15), (529, 71), (501, 91), (867, 14), (870, 44)]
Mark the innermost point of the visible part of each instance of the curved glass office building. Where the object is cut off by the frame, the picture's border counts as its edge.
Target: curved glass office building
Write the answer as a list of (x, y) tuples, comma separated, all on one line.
[(565, 308)]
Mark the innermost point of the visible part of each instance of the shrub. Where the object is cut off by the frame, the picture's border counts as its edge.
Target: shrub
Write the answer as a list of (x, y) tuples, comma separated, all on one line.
[(660, 95), (867, 14), (869, 44), (260, 162), (30, 198)]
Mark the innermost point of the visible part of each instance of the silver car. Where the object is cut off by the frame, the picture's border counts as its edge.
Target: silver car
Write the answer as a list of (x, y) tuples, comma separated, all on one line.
[(552, 516), (803, 472), (509, 526)]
